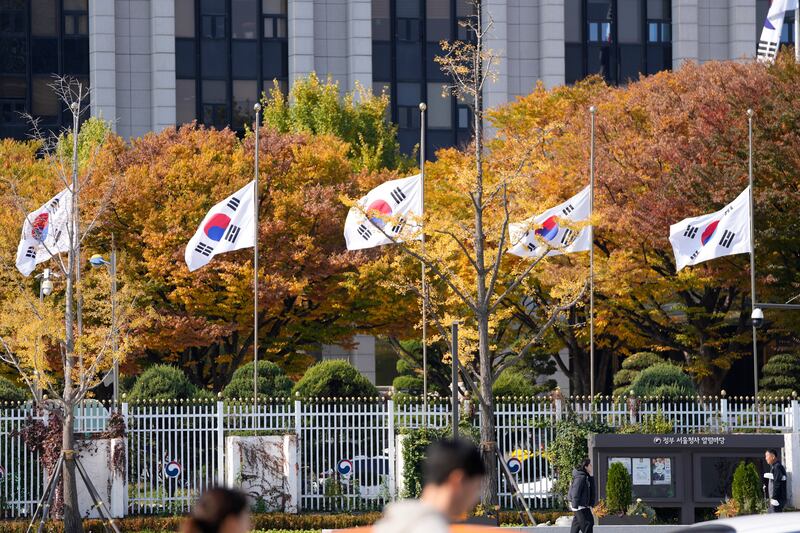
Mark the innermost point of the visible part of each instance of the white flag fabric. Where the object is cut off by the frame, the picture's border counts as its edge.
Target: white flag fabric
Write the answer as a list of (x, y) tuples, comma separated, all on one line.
[(726, 232), (533, 237), (770, 39), (228, 226), (45, 232), (393, 210)]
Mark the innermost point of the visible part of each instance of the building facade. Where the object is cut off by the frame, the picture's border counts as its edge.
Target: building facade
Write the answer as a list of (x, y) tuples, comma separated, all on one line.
[(152, 64)]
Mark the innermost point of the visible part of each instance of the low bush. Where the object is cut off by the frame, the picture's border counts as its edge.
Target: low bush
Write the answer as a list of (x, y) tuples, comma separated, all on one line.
[(664, 380), (746, 489), (334, 378), (10, 392), (512, 383), (165, 382), (781, 375), (631, 367), (272, 381)]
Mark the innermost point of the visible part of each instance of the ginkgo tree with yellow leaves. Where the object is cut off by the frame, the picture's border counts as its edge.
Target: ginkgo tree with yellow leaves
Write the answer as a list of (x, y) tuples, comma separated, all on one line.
[(471, 198)]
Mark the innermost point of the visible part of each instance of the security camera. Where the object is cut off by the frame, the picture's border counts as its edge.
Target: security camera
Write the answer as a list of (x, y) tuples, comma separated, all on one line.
[(757, 318)]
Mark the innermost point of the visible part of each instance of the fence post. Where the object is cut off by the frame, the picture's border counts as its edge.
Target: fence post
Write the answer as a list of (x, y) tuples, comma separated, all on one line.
[(795, 416), (298, 423), (392, 451), (221, 442), (723, 412), (128, 448)]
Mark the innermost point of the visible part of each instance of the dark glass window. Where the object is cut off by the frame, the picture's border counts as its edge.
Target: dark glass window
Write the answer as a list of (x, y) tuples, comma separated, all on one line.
[(39, 39), (618, 39), (406, 36)]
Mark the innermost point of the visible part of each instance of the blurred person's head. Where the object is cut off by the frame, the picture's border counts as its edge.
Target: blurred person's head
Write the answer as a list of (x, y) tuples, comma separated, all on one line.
[(586, 466), (451, 477), (771, 455), (219, 510)]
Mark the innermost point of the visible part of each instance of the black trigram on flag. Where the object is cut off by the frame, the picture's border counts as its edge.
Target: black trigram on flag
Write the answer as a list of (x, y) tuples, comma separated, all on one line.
[(203, 249), (398, 195), (233, 203), (30, 253), (232, 233), (727, 239), (568, 233), (567, 210), (54, 204), (56, 236), (690, 232), (364, 232), (398, 227), (531, 247)]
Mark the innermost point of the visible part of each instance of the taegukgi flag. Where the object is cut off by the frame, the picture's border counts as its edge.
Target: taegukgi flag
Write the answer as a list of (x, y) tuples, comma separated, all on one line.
[(228, 226), (726, 232), (548, 232), (773, 27), (387, 214), (45, 232)]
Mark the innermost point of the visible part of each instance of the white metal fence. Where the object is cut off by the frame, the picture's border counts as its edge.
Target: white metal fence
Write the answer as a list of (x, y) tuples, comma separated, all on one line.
[(346, 447)]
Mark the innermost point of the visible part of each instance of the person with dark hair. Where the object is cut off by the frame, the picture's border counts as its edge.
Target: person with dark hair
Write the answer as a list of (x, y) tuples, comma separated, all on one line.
[(451, 480), (219, 510), (776, 482), (581, 498)]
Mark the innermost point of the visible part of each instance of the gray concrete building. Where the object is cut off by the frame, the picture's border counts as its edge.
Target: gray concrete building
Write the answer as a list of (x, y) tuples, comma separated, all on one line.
[(152, 64)]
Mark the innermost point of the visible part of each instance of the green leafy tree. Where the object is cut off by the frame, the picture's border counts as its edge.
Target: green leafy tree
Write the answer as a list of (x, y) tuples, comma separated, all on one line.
[(334, 378), (164, 382), (409, 369), (359, 119), (513, 383), (10, 392), (631, 368), (664, 380), (271, 381), (746, 490), (781, 375), (619, 489)]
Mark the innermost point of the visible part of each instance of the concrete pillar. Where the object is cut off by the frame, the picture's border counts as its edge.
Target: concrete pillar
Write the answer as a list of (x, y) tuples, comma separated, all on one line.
[(102, 61), (523, 47), (495, 92), (741, 37), (162, 62), (301, 39), (359, 43), (685, 43), (551, 42)]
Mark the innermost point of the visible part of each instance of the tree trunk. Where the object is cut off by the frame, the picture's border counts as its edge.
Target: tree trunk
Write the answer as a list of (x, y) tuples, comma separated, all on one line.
[(72, 513), (487, 429)]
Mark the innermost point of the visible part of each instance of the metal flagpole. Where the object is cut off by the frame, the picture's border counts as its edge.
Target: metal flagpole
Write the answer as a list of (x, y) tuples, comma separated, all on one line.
[(752, 253), (257, 109), (797, 34), (592, 112), (422, 108), (114, 341)]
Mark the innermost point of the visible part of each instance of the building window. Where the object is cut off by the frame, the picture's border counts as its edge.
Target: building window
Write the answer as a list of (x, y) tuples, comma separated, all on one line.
[(406, 36), (618, 39), (39, 39), (242, 51)]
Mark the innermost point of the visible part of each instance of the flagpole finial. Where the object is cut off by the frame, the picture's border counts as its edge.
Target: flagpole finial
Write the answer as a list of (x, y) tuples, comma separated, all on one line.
[(422, 106), (750, 113), (592, 110)]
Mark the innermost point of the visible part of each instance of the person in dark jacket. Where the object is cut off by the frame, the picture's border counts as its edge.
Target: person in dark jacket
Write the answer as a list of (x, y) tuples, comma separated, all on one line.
[(581, 498), (776, 482)]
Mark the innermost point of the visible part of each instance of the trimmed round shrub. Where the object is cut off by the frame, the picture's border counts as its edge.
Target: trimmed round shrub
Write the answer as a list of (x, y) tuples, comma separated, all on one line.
[(272, 381), (10, 392), (781, 375), (746, 488), (631, 367), (664, 380), (512, 383), (334, 378), (163, 382), (619, 489), (408, 385)]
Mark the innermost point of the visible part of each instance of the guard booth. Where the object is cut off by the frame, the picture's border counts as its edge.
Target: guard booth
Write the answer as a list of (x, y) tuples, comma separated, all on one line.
[(690, 472)]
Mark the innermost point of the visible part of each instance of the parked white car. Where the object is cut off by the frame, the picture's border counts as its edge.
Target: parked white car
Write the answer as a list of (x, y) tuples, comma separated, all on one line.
[(371, 474), (760, 523)]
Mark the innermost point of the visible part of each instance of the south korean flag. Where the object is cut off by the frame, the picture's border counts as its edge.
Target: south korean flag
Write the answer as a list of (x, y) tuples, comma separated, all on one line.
[(726, 232), (390, 212), (550, 232), (45, 232), (228, 226)]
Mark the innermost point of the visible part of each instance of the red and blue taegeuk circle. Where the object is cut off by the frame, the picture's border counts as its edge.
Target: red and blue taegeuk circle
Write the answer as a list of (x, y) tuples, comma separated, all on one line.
[(40, 226), (709, 232), (377, 210), (549, 229), (215, 227)]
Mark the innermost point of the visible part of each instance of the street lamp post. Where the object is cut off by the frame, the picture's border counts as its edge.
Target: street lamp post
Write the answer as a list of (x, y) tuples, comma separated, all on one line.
[(97, 261)]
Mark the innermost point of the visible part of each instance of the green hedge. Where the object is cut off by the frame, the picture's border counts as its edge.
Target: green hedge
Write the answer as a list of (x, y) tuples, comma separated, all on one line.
[(664, 380), (10, 392), (513, 383), (272, 381), (165, 382), (334, 378)]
